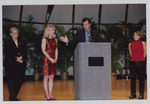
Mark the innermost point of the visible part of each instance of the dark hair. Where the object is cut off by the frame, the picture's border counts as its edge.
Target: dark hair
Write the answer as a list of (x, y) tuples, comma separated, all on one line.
[(86, 19)]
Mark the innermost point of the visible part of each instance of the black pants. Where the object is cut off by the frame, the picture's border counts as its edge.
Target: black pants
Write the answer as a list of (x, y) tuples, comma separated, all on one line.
[(137, 67), (14, 76)]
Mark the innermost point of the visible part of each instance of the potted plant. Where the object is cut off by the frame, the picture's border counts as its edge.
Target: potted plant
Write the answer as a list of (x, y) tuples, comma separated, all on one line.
[(34, 37), (64, 62), (64, 53), (35, 60), (35, 55), (113, 33)]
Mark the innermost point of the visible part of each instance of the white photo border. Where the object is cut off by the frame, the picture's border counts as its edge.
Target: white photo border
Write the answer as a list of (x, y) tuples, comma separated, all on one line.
[(63, 2)]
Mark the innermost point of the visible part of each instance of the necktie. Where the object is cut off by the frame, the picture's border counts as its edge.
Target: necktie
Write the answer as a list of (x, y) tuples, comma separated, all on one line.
[(89, 37)]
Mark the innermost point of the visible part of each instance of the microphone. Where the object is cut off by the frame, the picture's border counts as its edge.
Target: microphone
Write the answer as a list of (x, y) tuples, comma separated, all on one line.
[(89, 37)]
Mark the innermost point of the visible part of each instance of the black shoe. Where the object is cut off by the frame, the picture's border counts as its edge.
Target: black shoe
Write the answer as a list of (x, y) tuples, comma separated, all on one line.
[(132, 96), (17, 99), (14, 99), (141, 96)]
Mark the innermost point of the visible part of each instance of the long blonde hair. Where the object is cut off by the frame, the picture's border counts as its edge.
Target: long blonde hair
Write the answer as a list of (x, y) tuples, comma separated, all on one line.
[(46, 30)]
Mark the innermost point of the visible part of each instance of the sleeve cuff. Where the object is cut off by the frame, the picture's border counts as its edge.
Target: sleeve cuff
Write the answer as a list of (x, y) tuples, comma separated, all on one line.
[(67, 43)]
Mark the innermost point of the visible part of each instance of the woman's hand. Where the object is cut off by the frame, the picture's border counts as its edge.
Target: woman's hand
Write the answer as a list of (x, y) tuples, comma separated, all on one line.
[(53, 61), (56, 60), (19, 59)]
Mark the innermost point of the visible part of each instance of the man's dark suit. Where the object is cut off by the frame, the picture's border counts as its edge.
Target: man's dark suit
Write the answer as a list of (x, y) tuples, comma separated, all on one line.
[(14, 70), (80, 37)]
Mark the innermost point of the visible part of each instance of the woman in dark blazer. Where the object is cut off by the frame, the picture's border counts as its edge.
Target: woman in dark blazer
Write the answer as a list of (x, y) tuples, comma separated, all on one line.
[(15, 63)]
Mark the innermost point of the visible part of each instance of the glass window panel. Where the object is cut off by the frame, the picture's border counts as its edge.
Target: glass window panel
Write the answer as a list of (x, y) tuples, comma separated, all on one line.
[(136, 12), (11, 12), (61, 14), (89, 11), (37, 11), (113, 13)]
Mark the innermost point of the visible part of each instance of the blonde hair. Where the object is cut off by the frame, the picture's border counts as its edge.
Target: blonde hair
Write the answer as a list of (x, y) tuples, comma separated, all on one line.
[(46, 30), (139, 34), (14, 28)]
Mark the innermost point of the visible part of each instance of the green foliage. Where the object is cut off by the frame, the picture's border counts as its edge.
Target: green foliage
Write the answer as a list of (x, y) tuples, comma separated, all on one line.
[(113, 34), (64, 54), (34, 52), (129, 29)]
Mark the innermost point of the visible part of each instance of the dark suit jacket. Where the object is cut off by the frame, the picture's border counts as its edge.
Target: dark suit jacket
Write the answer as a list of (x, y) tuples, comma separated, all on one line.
[(11, 51), (80, 37)]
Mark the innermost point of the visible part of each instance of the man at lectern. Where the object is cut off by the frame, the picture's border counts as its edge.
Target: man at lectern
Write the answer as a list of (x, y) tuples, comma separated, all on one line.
[(85, 35)]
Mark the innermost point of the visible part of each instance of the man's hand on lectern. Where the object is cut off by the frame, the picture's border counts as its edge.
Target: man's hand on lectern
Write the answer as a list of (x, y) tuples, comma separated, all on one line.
[(64, 39)]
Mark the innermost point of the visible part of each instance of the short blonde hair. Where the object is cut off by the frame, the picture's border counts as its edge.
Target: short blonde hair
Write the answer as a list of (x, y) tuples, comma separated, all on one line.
[(139, 34), (14, 28), (46, 30)]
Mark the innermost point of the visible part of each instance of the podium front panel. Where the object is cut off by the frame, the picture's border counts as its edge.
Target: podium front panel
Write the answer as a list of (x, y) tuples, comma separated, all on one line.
[(93, 71)]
